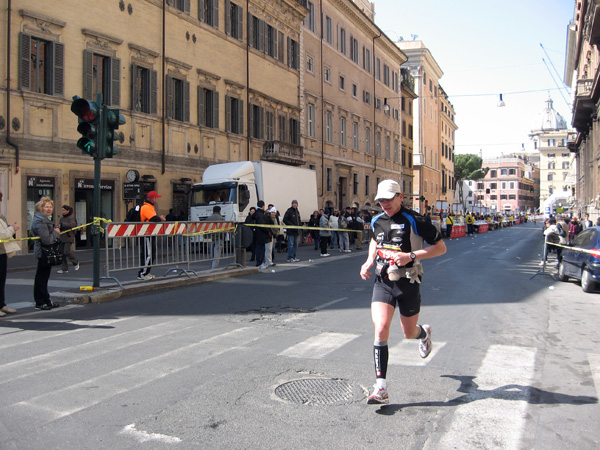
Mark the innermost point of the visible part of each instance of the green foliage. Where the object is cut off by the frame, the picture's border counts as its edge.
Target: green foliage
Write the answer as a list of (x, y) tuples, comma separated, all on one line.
[(468, 167)]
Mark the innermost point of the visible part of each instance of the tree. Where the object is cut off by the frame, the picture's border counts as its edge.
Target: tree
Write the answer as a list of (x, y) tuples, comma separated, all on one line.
[(467, 167)]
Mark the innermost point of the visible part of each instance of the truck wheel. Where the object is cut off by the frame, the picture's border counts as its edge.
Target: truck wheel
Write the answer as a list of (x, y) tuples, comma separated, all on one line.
[(561, 272), (587, 284)]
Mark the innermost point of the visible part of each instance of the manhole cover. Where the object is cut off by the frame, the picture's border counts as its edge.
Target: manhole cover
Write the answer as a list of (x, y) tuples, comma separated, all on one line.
[(319, 391)]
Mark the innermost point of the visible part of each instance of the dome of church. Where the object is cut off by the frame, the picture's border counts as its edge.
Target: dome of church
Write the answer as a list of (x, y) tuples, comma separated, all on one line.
[(549, 119)]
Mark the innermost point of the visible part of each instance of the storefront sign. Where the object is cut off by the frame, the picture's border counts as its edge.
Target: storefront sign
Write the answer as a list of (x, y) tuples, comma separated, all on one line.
[(40, 182), (86, 183), (132, 191)]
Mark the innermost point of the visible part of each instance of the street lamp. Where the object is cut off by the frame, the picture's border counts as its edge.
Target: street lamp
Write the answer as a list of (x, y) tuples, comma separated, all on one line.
[(386, 106)]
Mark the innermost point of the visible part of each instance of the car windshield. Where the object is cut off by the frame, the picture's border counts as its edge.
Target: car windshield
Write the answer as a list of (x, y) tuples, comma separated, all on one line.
[(207, 195)]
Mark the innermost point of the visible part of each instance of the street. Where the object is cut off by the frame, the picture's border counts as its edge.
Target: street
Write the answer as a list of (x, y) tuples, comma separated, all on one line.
[(283, 359)]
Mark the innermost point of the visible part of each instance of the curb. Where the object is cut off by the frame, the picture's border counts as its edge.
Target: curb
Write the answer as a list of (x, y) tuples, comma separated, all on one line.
[(104, 295)]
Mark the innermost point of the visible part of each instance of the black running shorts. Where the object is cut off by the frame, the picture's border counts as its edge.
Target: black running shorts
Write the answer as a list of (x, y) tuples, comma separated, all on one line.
[(403, 293)]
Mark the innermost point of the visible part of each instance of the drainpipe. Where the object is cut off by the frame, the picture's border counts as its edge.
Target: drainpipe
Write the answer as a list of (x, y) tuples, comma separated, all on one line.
[(8, 43), (164, 84), (322, 109), (374, 106), (248, 88)]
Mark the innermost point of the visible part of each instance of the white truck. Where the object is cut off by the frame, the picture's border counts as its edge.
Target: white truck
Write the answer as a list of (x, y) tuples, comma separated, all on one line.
[(237, 186)]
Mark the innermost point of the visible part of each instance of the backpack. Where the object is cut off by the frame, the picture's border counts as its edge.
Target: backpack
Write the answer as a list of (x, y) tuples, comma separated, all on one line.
[(560, 230), (133, 215)]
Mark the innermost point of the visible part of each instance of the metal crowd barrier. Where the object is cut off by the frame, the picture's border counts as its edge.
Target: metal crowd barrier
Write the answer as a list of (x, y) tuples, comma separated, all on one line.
[(175, 245)]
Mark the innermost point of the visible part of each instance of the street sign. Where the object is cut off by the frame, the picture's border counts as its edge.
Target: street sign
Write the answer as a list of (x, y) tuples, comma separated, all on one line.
[(132, 191)]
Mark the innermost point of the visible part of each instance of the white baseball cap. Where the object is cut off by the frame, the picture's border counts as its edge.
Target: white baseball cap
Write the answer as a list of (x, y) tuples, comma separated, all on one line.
[(387, 190)]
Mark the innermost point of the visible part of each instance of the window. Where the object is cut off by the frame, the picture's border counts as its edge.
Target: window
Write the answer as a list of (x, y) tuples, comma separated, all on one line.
[(386, 75), (367, 97), (293, 54), (494, 186), (328, 23), (208, 108), (256, 121), (565, 155), (343, 131), (551, 142), (282, 129), (144, 90), (355, 137), (310, 120), (182, 5), (309, 20), (208, 11), (367, 193), (327, 74), (403, 157), (178, 99), (378, 144), (396, 149), (388, 149), (329, 126), (342, 83), (493, 173), (503, 172), (271, 44), (294, 131), (354, 50), (565, 165), (280, 49), (378, 68), (551, 165), (367, 59), (102, 74), (354, 90), (503, 186), (355, 184), (310, 64), (550, 177), (234, 115), (551, 155), (41, 66), (329, 180), (512, 171), (368, 140), (234, 20), (511, 185), (256, 30), (342, 40), (270, 125)]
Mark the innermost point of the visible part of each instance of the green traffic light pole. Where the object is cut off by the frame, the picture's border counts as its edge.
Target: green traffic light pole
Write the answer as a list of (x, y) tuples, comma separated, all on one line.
[(100, 152)]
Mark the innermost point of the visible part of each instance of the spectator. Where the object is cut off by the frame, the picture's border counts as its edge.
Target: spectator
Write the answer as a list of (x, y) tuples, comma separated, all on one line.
[(250, 220), (48, 233), (292, 217), (67, 223), (449, 223), (343, 235), (324, 233), (334, 223), (314, 222), (587, 222), (7, 249), (216, 238), (171, 217), (262, 234), (574, 228)]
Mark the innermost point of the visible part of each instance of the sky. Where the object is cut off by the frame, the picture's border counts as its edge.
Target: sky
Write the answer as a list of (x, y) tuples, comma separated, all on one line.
[(487, 48)]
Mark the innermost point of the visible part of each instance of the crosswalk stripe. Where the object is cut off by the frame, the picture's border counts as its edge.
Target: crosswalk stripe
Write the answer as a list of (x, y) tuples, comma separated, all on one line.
[(406, 353), (505, 374), (72, 399), (317, 347)]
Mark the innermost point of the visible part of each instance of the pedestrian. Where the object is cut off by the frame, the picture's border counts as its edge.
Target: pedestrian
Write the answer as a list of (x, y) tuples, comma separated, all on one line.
[(67, 237), (7, 250), (271, 219), (344, 240), (574, 228), (292, 217), (171, 217), (334, 219), (587, 223), (395, 244), (250, 220), (148, 244), (324, 232), (314, 221), (217, 238), (262, 234), (48, 233), (552, 235), (449, 223)]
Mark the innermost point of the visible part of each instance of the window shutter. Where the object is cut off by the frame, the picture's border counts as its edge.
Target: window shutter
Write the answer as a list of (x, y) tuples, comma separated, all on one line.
[(227, 113), (115, 82), (201, 10), (88, 79), (153, 92), (134, 92), (228, 17), (289, 52), (186, 6), (262, 25), (186, 101), (251, 120), (58, 69), (240, 23), (201, 106), (215, 110), (250, 36), (241, 117), (215, 11), (275, 42), (169, 85), (262, 123), (25, 61)]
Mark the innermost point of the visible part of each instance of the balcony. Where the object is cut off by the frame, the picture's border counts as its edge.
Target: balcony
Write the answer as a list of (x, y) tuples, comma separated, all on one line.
[(583, 106), (283, 152)]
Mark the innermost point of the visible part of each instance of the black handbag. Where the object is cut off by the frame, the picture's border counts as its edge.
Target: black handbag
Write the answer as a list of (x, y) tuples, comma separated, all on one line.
[(52, 253)]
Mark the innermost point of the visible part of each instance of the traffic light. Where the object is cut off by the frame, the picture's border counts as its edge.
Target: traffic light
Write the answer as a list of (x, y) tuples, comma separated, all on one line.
[(89, 121), (112, 121)]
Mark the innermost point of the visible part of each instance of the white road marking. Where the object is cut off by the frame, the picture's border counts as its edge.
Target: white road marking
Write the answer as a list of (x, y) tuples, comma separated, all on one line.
[(318, 346), (406, 353), (144, 436), (332, 302), (494, 410)]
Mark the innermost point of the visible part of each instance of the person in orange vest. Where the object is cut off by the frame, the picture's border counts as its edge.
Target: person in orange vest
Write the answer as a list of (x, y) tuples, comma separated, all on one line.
[(148, 248)]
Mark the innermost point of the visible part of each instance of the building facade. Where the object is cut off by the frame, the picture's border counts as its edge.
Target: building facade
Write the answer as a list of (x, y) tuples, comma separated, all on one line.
[(582, 74)]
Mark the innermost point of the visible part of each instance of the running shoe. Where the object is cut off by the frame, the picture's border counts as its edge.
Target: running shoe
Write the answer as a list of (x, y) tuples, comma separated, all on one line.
[(77, 266), (425, 345), (378, 397)]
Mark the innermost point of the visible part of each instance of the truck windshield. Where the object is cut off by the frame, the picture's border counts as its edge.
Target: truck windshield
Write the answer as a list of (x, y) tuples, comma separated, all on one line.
[(213, 194)]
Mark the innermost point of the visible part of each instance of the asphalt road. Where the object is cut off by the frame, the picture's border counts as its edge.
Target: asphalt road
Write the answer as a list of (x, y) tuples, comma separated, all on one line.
[(284, 360)]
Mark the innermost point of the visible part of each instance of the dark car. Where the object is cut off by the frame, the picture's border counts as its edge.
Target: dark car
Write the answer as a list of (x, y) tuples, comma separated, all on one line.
[(583, 265)]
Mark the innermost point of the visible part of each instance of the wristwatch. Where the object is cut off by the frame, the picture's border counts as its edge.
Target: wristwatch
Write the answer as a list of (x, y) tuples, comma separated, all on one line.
[(412, 256)]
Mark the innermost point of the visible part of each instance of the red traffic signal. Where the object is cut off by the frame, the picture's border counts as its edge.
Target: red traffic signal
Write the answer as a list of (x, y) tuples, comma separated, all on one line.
[(89, 118)]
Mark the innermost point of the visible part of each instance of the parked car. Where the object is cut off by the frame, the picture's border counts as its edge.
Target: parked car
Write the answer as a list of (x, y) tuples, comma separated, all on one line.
[(584, 266)]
